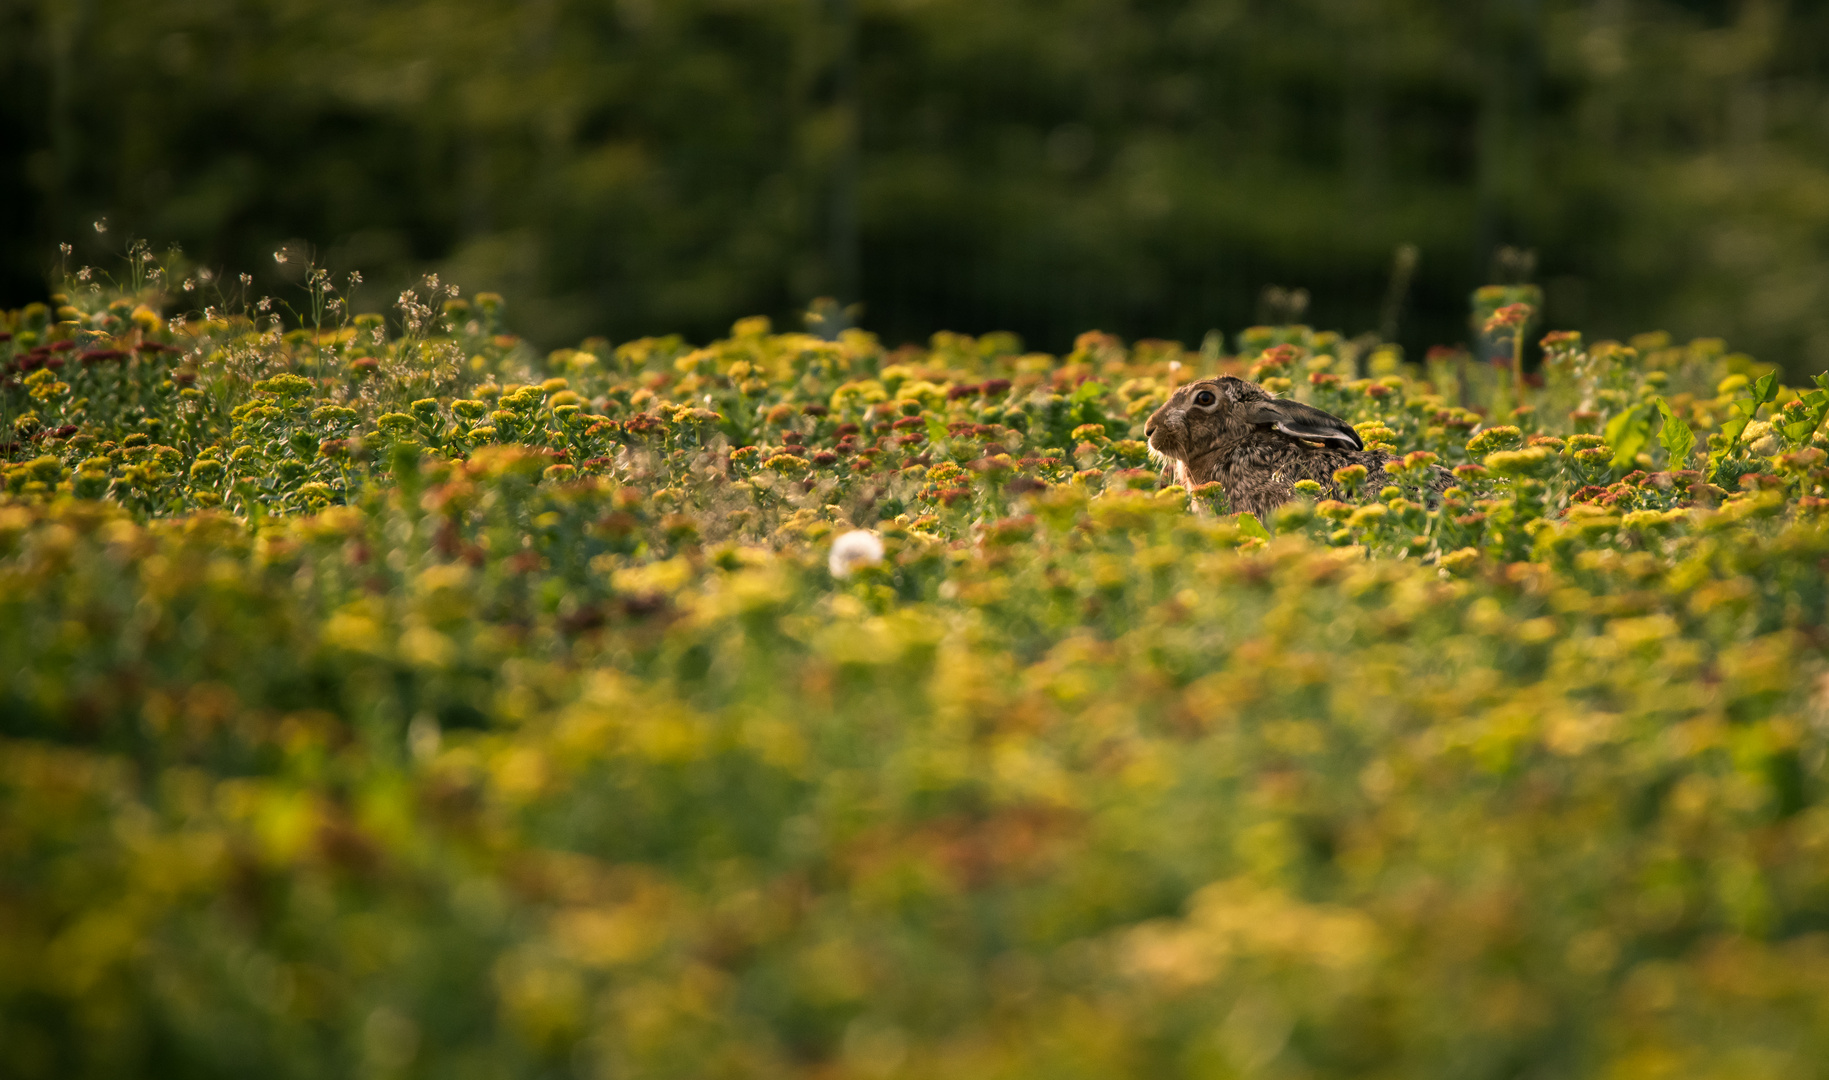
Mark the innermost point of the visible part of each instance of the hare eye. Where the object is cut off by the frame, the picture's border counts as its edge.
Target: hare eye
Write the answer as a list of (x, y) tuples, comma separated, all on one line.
[(1205, 397)]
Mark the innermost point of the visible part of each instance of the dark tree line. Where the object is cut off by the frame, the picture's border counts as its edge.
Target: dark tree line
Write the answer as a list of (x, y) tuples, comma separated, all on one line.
[(1145, 167)]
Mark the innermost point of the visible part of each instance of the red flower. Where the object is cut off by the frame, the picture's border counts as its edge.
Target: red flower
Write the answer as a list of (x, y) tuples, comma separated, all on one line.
[(1508, 317)]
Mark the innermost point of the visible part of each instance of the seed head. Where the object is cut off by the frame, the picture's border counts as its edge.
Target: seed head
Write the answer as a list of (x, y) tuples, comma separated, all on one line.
[(859, 547)]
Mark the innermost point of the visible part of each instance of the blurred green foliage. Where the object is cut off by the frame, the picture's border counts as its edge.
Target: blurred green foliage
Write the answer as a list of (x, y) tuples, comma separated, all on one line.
[(650, 167), (389, 699)]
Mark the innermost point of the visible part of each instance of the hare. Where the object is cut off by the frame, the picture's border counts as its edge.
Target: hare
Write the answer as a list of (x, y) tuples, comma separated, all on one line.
[(1256, 445)]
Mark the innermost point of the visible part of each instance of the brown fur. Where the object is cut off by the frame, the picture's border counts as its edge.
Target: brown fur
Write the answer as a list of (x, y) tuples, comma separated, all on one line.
[(1257, 445)]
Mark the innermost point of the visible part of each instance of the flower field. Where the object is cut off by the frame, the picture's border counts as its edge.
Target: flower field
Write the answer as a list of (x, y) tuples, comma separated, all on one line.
[(381, 698)]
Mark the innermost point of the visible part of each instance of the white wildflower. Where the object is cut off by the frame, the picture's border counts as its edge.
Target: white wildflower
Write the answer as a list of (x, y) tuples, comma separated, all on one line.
[(859, 547), (1761, 439)]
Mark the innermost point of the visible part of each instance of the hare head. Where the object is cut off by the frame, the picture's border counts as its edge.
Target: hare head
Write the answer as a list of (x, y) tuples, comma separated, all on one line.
[(1204, 416)]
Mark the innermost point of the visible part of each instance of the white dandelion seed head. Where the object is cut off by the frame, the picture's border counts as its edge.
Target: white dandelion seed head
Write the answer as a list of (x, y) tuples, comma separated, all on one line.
[(859, 547)]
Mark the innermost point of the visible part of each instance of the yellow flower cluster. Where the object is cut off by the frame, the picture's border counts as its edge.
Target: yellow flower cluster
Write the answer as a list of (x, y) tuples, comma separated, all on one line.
[(792, 707)]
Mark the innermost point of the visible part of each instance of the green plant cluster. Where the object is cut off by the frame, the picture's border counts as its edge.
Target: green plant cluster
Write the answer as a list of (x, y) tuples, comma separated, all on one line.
[(384, 699)]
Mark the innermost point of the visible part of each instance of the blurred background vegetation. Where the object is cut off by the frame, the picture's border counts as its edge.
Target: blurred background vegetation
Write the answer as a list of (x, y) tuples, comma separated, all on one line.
[(628, 167)]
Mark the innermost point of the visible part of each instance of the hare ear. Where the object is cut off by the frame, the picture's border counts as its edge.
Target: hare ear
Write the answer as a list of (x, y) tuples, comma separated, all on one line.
[(1301, 421)]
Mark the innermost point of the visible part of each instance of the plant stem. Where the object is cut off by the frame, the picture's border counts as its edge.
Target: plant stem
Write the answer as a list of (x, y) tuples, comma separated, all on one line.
[(1517, 364)]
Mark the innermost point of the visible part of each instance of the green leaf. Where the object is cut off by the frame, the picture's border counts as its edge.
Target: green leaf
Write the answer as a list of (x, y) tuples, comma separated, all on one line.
[(1249, 525), (1816, 406), (1676, 436), (1765, 390), (1627, 434), (1090, 390), (1734, 425)]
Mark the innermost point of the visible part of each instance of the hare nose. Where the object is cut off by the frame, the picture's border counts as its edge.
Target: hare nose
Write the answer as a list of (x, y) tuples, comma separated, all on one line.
[(1149, 429)]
